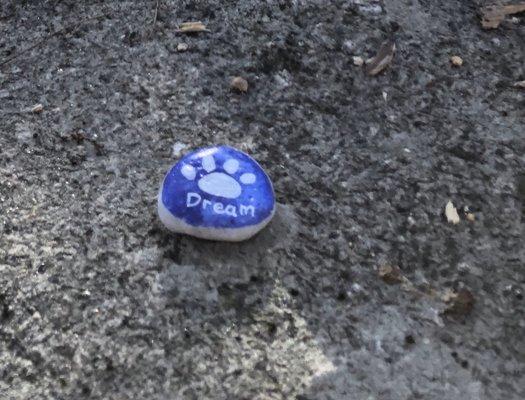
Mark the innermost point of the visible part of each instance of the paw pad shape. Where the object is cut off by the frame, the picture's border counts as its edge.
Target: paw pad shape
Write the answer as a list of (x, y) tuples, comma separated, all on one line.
[(217, 193), (219, 183)]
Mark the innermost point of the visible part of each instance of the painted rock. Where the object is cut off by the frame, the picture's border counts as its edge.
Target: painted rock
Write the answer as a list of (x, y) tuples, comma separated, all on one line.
[(216, 193)]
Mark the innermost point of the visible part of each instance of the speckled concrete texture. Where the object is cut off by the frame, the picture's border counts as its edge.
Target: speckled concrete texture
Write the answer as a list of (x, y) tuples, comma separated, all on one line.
[(99, 301)]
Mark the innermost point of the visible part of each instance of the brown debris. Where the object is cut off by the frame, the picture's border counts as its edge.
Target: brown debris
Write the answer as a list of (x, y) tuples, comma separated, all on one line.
[(520, 84), (460, 303), (37, 108), (382, 59), (192, 27), (470, 217), (239, 84), (493, 15), (390, 274), (78, 137)]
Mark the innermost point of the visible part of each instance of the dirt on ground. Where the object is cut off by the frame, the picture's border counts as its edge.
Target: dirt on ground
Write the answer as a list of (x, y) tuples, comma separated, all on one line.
[(360, 288)]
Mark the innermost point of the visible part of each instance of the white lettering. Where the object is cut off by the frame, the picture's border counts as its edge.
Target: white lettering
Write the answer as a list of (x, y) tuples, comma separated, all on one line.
[(193, 199), (218, 208), (231, 210), (244, 210)]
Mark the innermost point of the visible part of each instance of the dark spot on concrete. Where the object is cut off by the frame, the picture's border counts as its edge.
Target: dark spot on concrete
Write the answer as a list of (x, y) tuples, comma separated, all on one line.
[(272, 328), (342, 296)]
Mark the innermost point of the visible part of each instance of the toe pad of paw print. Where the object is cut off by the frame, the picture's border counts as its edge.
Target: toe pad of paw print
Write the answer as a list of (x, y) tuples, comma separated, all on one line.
[(216, 193)]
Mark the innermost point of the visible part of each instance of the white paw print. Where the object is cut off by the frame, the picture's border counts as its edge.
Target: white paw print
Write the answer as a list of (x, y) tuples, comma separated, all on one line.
[(219, 183)]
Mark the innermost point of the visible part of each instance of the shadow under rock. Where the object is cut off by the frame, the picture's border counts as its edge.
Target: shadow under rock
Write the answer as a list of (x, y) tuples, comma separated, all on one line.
[(231, 276)]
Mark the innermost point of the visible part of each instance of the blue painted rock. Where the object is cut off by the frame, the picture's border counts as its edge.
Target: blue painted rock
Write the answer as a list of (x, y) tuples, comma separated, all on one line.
[(216, 193)]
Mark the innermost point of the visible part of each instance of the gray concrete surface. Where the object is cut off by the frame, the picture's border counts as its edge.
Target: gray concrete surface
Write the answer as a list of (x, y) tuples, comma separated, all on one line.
[(98, 301)]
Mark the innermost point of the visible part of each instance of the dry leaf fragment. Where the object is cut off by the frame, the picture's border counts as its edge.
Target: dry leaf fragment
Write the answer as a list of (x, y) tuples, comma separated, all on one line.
[(240, 84), (451, 213), (390, 274), (520, 84), (492, 16), (382, 59), (78, 137), (459, 303), (456, 61), (192, 27), (37, 108), (358, 61), (470, 217)]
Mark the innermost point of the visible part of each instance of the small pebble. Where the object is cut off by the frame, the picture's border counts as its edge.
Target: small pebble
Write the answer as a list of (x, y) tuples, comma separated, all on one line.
[(240, 84), (456, 61), (177, 149), (37, 108), (182, 47), (451, 213), (463, 267), (216, 193), (358, 61)]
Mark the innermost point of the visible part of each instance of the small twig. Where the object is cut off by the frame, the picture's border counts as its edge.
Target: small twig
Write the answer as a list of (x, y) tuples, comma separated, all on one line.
[(192, 27), (156, 12), (66, 30), (492, 16), (382, 59)]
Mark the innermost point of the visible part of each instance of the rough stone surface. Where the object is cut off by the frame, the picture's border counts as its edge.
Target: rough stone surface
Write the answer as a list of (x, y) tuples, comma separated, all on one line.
[(97, 300)]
